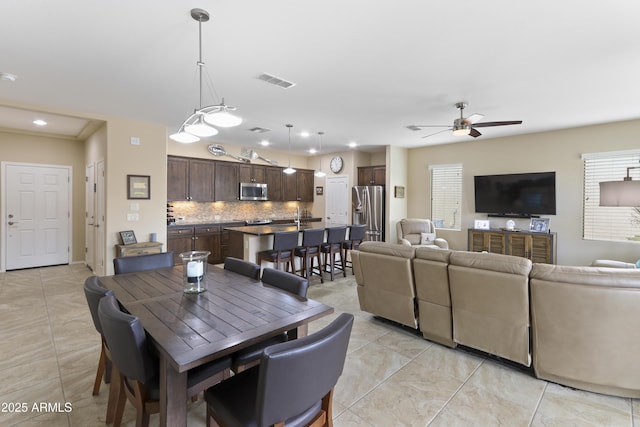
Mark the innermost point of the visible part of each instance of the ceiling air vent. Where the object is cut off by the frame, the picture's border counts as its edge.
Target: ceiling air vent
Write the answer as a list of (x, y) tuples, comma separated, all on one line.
[(268, 78)]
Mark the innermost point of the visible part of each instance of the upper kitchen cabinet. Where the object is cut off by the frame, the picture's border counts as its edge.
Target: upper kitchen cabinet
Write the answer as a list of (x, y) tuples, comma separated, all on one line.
[(190, 179), (372, 175), (226, 181), (298, 186), (252, 173), (273, 179)]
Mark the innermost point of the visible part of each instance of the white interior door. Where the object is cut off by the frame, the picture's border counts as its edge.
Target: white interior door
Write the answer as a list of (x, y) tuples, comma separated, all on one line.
[(38, 215), (90, 216), (99, 267), (337, 196)]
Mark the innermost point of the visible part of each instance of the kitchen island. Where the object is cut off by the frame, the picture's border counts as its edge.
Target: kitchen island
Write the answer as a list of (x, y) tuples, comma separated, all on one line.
[(245, 242)]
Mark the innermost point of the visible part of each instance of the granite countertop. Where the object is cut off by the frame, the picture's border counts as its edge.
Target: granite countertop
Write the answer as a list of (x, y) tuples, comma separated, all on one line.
[(265, 230), (235, 222)]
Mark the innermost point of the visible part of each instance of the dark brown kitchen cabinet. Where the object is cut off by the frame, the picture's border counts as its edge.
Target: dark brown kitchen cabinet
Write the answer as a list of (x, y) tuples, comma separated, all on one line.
[(179, 239), (198, 238), (252, 173), (298, 186), (273, 179), (190, 179), (226, 181), (177, 178), (372, 175)]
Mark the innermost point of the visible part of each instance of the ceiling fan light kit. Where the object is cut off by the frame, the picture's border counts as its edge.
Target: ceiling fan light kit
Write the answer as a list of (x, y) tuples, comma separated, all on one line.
[(200, 123)]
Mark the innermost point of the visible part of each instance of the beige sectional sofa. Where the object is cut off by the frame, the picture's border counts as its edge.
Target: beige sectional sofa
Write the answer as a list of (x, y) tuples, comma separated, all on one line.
[(578, 326)]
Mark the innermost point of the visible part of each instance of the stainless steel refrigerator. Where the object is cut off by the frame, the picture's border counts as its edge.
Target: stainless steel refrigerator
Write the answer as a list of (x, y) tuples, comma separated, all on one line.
[(368, 209)]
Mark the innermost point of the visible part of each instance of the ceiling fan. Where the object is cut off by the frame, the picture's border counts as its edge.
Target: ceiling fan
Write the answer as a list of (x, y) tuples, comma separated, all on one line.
[(464, 125)]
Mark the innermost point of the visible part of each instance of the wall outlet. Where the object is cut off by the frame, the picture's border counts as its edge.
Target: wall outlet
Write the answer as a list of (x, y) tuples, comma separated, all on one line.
[(135, 140), (133, 217), (134, 207)]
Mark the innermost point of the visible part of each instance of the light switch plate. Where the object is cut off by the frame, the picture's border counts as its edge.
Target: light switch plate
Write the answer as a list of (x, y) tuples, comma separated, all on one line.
[(133, 217), (134, 207), (135, 140)]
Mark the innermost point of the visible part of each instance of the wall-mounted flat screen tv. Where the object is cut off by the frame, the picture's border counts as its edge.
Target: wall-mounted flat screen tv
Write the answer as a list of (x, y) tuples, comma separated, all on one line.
[(520, 194)]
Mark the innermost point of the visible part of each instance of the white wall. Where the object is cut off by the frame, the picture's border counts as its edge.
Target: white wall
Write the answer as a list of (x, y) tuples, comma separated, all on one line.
[(558, 151)]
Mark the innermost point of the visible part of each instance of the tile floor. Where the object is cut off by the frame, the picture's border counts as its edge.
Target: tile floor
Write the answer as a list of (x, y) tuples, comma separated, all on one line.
[(392, 377)]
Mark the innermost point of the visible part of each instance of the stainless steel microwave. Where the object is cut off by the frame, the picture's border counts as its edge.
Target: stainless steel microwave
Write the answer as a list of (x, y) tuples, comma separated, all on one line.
[(253, 191)]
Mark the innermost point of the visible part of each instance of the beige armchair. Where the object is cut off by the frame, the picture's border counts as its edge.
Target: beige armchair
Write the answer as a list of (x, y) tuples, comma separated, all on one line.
[(410, 231)]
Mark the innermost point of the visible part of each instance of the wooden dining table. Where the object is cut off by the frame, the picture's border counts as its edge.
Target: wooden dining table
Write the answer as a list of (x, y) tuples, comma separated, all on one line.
[(189, 330)]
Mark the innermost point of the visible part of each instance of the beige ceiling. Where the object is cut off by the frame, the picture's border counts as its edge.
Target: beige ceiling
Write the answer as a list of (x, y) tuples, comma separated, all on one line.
[(363, 70)]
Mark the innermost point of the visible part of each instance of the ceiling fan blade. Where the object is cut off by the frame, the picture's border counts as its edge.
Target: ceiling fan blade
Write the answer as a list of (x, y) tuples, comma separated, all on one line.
[(435, 133), (417, 127), (487, 124), (473, 118), (474, 133)]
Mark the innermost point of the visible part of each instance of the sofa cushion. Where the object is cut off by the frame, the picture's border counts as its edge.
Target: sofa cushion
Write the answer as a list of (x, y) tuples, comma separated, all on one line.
[(494, 262), (392, 249), (427, 238)]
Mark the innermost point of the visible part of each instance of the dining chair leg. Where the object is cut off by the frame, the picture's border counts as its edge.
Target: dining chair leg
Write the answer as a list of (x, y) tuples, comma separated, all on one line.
[(100, 372)]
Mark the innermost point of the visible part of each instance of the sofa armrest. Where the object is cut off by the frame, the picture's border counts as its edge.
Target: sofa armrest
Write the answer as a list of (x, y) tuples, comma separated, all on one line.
[(441, 243)]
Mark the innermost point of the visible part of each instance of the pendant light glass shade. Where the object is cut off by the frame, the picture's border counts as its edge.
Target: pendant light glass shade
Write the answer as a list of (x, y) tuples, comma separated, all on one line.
[(200, 123), (319, 172), (289, 170)]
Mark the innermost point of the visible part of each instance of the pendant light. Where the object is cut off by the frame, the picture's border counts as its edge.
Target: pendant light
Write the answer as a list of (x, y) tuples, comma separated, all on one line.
[(319, 173), (289, 170), (199, 124)]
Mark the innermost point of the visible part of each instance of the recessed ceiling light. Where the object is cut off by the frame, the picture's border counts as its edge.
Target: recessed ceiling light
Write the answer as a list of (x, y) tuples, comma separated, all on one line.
[(39, 122), (264, 143), (312, 150), (352, 144), (304, 134), (8, 77)]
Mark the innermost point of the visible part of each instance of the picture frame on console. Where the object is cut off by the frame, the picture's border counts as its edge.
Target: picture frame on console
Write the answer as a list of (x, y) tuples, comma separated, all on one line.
[(539, 225)]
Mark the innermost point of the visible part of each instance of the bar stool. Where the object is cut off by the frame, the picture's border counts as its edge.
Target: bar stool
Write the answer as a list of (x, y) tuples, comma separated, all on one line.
[(356, 236), (333, 246), (284, 243), (312, 240)]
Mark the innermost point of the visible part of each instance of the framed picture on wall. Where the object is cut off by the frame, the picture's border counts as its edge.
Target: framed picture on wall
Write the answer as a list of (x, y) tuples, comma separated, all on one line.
[(398, 192), (138, 187)]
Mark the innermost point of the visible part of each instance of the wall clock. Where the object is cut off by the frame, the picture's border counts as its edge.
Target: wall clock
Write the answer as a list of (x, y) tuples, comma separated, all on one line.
[(336, 164)]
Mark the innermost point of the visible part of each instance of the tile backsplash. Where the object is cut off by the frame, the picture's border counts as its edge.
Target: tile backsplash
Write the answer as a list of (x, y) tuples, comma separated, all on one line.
[(189, 212)]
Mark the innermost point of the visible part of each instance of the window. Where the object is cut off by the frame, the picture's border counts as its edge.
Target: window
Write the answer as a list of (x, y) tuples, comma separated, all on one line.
[(446, 196), (604, 222)]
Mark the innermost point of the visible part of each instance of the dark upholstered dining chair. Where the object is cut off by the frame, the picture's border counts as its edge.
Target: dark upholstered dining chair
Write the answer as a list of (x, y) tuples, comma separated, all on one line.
[(284, 243), (137, 367), (240, 266), (292, 283), (94, 292), (312, 240), (356, 236), (131, 264), (293, 385)]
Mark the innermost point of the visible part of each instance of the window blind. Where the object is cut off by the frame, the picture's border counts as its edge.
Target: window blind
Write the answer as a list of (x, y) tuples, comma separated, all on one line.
[(604, 222), (446, 195)]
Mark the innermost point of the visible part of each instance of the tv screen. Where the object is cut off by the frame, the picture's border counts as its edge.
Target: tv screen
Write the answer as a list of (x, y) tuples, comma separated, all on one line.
[(521, 194)]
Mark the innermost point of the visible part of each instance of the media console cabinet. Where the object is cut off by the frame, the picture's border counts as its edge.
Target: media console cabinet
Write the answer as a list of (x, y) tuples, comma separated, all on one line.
[(538, 247)]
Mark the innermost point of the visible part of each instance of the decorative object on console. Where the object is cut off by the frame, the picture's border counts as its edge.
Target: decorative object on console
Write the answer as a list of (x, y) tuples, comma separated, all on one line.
[(201, 122), (539, 225), (621, 193), (511, 225), (480, 224), (127, 237)]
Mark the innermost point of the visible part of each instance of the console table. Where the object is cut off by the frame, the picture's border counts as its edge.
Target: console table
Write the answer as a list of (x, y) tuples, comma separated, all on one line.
[(538, 247), (135, 249)]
